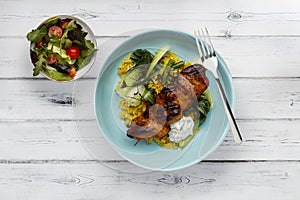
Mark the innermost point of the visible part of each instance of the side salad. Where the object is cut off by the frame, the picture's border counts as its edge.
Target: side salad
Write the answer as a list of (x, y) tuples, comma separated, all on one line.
[(59, 48), (164, 99)]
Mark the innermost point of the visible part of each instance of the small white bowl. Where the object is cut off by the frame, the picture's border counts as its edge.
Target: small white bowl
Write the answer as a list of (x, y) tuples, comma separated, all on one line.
[(90, 36)]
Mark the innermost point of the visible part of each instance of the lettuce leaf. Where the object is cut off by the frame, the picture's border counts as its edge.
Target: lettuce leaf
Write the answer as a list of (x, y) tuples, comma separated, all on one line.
[(58, 75), (37, 35), (39, 65), (83, 61)]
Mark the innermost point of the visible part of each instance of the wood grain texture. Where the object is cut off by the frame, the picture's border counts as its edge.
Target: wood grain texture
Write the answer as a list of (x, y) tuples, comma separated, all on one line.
[(43, 156), (95, 181), (31, 99), (58, 140), (223, 18), (253, 60), (255, 98)]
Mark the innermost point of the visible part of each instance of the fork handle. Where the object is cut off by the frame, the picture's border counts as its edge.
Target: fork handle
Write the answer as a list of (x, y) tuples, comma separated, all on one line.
[(237, 137)]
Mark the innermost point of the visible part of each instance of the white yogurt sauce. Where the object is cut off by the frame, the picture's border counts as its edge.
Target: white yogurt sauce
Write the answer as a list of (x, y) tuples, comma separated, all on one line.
[(181, 129)]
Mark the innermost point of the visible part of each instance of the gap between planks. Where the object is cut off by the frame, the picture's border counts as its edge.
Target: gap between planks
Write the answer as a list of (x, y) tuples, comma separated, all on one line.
[(125, 161)]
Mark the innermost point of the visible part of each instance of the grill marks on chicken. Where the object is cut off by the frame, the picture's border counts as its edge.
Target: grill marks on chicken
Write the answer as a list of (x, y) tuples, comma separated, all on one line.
[(168, 99), (151, 124), (195, 74), (180, 95)]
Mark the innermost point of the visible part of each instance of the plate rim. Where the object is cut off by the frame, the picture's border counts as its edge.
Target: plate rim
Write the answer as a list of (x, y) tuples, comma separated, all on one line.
[(184, 165)]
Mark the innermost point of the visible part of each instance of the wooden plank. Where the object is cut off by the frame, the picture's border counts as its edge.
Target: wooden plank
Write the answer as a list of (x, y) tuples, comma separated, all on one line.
[(206, 180), (222, 18), (59, 140), (255, 98), (43, 99), (41, 155), (270, 57), (41, 140), (263, 98), (35, 99)]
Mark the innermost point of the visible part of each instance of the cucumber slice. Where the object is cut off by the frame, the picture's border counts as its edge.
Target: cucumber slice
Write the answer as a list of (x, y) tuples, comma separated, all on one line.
[(133, 95), (133, 75), (161, 52)]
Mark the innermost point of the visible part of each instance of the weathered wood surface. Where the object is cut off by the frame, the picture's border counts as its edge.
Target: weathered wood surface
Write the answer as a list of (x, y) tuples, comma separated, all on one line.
[(234, 18), (256, 98), (43, 156), (264, 59), (58, 140), (216, 180)]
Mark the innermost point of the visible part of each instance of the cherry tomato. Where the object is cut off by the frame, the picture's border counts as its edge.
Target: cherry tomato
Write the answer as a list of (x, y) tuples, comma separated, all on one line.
[(72, 72), (52, 59), (55, 30), (40, 44), (73, 52), (64, 24)]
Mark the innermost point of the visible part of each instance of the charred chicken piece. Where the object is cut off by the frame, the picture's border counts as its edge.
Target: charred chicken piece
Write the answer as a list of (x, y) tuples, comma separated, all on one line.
[(168, 99), (155, 121), (195, 74), (170, 103), (151, 124)]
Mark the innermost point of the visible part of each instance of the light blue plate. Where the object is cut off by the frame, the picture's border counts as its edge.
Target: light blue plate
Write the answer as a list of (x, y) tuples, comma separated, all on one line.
[(212, 131)]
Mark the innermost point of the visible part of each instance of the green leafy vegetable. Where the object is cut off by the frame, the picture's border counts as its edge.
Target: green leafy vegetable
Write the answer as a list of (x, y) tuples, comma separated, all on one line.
[(39, 65), (82, 61), (71, 25), (89, 48), (37, 34), (178, 64), (52, 21), (86, 54), (58, 75), (205, 103), (141, 56), (65, 41), (148, 95)]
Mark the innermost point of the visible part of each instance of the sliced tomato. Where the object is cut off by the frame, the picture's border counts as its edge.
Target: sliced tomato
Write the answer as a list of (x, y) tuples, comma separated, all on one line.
[(40, 44), (64, 24), (72, 72), (52, 59), (55, 30), (73, 52)]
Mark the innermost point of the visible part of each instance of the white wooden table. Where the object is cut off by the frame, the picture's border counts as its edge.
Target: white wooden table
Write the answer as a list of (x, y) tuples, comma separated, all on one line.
[(41, 156)]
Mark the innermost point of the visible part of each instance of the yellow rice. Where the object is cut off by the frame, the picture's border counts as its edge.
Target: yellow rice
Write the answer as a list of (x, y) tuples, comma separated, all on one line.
[(129, 112), (126, 65), (168, 56), (156, 86)]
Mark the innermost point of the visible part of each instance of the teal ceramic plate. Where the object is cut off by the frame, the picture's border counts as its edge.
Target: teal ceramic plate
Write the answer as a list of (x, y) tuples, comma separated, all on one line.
[(106, 105)]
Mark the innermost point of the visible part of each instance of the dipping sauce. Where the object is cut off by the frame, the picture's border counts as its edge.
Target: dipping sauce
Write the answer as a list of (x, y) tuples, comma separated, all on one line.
[(181, 129)]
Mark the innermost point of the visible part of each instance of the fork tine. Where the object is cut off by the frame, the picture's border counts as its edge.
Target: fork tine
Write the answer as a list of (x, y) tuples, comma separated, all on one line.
[(202, 44), (205, 45), (199, 45), (213, 53)]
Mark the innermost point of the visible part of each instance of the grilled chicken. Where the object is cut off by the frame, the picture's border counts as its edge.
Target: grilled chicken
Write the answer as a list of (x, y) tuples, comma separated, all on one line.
[(170, 103), (195, 74), (151, 124)]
